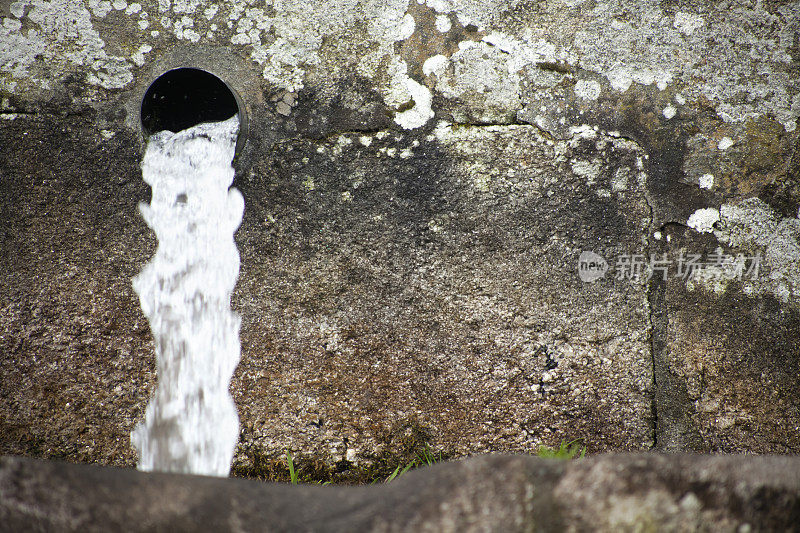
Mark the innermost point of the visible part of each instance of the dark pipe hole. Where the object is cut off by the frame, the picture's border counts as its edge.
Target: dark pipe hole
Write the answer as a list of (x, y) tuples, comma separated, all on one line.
[(185, 97)]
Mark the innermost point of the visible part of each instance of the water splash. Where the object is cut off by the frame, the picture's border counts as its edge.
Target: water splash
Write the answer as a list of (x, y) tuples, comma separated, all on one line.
[(191, 423)]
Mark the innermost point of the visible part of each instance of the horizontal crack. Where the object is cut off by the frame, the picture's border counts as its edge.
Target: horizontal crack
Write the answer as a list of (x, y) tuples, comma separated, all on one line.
[(43, 113)]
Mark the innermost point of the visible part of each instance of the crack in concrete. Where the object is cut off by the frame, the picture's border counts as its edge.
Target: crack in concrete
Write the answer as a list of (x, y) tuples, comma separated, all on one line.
[(44, 113), (655, 301), (671, 425)]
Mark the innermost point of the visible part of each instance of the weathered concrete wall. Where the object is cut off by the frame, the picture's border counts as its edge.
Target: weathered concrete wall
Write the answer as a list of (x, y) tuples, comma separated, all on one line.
[(496, 493), (420, 180)]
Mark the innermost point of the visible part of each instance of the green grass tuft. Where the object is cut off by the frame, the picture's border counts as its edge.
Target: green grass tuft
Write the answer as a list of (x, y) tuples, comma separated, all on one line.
[(573, 449), (425, 457), (299, 469), (397, 472)]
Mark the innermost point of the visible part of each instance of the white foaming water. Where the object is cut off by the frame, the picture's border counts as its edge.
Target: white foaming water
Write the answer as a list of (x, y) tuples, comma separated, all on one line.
[(191, 424)]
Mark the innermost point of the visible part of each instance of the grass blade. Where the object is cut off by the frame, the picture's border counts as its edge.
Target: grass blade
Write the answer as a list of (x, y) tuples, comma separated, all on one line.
[(292, 473)]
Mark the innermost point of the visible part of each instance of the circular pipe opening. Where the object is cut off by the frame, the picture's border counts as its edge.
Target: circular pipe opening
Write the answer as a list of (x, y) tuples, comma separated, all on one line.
[(184, 97)]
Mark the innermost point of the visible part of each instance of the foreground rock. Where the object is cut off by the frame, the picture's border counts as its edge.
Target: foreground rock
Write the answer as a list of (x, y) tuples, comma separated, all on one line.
[(490, 493)]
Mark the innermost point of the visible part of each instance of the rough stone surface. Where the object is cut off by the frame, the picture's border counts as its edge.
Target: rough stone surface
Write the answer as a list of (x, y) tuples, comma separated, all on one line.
[(414, 296), (420, 180), (498, 493)]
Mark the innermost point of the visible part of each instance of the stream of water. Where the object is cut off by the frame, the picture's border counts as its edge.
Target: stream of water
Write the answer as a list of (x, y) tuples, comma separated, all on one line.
[(191, 424)]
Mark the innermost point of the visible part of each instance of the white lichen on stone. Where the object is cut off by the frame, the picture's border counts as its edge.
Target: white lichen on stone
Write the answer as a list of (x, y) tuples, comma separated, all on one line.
[(183, 28), (752, 226), (669, 112), (687, 23), (100, 8), (17, 9), (527, 51), (587, 89), (486, 79), (403, 91), (481, 13), (736, 50), (61, 34), (721, 53), (288, 41), (584, 131), (620, 179), (703, 220), (407, 27), (589, 170), (466, 45), (725, 143), (623, 77), (707, 181), (138, 57), (435, 65), (481, 181), (186, 6), (443, 23)]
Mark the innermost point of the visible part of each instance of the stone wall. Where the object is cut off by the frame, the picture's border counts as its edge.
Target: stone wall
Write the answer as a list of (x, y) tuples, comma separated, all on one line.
[(420, 181)]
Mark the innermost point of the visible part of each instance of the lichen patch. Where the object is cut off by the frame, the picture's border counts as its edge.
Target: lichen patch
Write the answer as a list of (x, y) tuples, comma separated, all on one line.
[(703, 220)]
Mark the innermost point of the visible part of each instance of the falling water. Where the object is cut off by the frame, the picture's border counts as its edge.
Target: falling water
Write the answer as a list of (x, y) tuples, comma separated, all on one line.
[(191, 424)]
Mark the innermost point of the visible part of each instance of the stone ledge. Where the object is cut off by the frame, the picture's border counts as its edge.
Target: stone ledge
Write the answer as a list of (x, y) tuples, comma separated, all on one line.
[(634, 492)]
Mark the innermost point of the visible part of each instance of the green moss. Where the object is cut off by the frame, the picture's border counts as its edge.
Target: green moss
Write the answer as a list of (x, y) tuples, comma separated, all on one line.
[(260, 465), (409, 445), (296, 468)]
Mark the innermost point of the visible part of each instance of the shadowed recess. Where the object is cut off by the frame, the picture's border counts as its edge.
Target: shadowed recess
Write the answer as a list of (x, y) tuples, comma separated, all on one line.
[(184, 97)]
